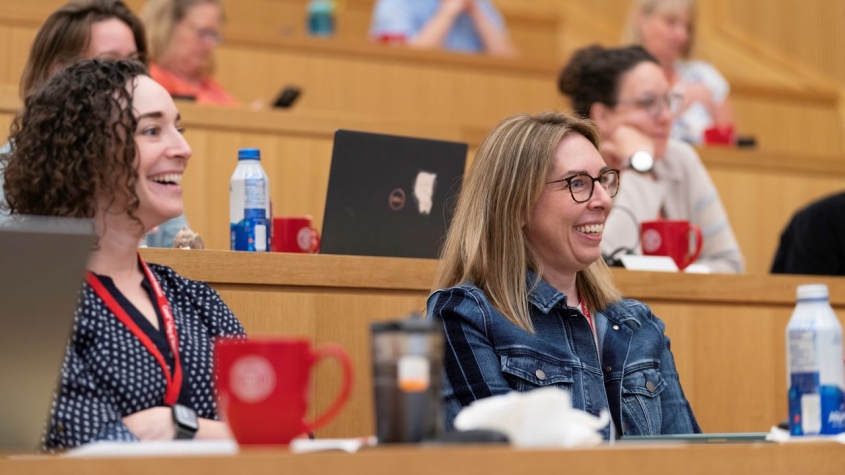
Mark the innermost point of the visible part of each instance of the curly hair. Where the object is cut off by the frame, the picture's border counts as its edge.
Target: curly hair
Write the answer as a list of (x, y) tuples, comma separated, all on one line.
[(73, 142), (593, 74)]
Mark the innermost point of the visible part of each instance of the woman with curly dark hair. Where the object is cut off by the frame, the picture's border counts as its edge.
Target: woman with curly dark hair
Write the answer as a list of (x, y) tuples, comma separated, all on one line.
[(88, 29), (101, 140)]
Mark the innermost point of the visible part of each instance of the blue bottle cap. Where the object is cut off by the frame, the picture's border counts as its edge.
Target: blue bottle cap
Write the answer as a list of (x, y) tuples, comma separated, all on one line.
[(249, 154)]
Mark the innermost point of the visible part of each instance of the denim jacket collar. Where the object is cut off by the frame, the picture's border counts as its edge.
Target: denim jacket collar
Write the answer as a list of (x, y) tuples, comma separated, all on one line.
[(545, 297), (541, 294)]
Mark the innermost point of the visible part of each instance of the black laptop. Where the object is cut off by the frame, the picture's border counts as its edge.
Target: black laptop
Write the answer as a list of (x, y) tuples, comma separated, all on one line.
[(390, 196)]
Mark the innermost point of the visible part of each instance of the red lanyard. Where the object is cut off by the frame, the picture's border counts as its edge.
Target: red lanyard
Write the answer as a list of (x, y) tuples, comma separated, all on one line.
[(174, 383), (587, 315)]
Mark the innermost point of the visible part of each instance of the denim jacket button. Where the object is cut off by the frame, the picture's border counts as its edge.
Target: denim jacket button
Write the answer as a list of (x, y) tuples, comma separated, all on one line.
[(616, 327), (650, 386), (541, 375), (607, 369)]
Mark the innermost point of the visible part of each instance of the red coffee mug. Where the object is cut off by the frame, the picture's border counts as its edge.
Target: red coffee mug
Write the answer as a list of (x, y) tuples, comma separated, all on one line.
[(719, 135), (671, 237), (295, 234), (263, 387)]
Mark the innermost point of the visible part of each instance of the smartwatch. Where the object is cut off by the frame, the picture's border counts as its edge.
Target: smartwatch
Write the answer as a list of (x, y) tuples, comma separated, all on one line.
[(641, 161), (185, 420)]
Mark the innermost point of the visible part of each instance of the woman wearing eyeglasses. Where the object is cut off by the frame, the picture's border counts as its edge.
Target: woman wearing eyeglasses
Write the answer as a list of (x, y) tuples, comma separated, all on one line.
[(666, 29), (625, 92), (182, 37), (524, 297)]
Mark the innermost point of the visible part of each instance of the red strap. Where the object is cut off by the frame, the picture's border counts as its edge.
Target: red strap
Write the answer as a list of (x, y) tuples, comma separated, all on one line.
[(174, 383), (587, 315)]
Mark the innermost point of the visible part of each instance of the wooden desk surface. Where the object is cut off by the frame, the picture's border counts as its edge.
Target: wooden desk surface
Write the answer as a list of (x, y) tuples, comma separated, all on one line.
[(723, 459)]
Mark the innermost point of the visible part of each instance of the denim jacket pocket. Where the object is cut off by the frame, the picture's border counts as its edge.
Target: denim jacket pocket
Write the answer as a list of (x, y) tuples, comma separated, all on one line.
[(527, 372), (641, 388)]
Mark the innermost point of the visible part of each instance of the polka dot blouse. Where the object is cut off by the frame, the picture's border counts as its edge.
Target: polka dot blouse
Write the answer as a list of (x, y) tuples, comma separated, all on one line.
[(108, 374)]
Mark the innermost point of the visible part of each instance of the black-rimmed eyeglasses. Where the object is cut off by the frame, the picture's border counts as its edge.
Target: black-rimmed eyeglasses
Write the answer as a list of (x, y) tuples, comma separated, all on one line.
[(581, 186)]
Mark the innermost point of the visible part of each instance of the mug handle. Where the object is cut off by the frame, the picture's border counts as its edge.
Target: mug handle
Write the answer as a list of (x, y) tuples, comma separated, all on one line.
[(338, 353), (699, 242), (315, 241)]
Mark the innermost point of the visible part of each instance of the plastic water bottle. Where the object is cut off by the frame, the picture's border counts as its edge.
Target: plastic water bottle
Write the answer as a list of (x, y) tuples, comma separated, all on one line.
[(816, 374), (249, 203), (321, 17)]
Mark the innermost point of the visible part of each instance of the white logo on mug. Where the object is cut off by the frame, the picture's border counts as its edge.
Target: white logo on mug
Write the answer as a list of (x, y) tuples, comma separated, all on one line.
[(303, 239), (651, 240), (253, 379)]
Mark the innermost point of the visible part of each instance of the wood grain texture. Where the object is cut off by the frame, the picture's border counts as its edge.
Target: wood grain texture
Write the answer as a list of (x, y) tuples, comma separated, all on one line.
[(807, 34), (727, 332), (787, 110), (705, 459)]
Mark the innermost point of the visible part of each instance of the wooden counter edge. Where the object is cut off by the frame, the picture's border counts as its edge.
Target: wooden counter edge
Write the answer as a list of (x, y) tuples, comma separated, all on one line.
[(816, 458), (379, 273)]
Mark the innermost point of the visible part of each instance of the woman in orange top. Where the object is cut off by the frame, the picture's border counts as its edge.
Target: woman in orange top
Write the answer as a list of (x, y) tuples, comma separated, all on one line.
[(182, 36)]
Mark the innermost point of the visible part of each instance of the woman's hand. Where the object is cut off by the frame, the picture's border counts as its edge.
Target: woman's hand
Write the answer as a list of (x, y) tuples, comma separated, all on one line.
[(455, 7), (697, 92), (622, 143), (155, 423)]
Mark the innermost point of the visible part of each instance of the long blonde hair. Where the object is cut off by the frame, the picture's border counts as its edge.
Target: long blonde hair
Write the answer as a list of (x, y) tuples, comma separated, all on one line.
[(486, 244), (633, 35), (160, 18)]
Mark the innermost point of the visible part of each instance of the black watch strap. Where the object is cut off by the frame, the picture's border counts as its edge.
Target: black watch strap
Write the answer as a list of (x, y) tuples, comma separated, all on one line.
[(185, 421)]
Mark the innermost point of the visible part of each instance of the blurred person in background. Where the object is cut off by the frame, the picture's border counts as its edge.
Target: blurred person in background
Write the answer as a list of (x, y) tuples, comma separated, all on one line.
[(88, 29), (666, 29), (473, 26), (624, 91), (101, 140), (814, 241), (182, 35)]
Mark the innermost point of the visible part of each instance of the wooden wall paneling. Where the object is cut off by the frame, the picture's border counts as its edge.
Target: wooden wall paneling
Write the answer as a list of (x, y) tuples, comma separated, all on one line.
[(391, 86), (349, 77), (807, 33), (760, 203)]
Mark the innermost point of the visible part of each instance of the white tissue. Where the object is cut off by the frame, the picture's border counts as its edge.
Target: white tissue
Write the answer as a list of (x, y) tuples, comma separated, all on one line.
[(539, 418), (776, 434)]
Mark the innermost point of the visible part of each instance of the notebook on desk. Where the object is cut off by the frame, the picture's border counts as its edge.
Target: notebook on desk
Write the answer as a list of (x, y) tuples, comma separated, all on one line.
[(390, 196), (42, 265)]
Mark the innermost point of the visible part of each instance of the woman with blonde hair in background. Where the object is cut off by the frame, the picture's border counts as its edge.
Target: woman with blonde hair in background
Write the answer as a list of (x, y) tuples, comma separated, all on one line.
[(524, 297), (666, 29), (182, 35)]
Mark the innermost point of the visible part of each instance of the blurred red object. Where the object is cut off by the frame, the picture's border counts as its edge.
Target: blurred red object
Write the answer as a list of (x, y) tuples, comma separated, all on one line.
[(391, 39), (721, 135)]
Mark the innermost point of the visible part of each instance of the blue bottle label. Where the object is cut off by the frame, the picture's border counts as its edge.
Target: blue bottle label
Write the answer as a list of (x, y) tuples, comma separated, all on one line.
[(815, 409), (250, 234)]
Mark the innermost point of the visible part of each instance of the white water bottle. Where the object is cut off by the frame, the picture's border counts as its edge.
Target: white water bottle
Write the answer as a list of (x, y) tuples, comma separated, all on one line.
[(249, 203), (815, 371)]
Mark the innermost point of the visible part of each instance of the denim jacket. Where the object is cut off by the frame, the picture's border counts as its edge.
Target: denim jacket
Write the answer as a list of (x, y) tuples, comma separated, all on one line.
[(487, 355)]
